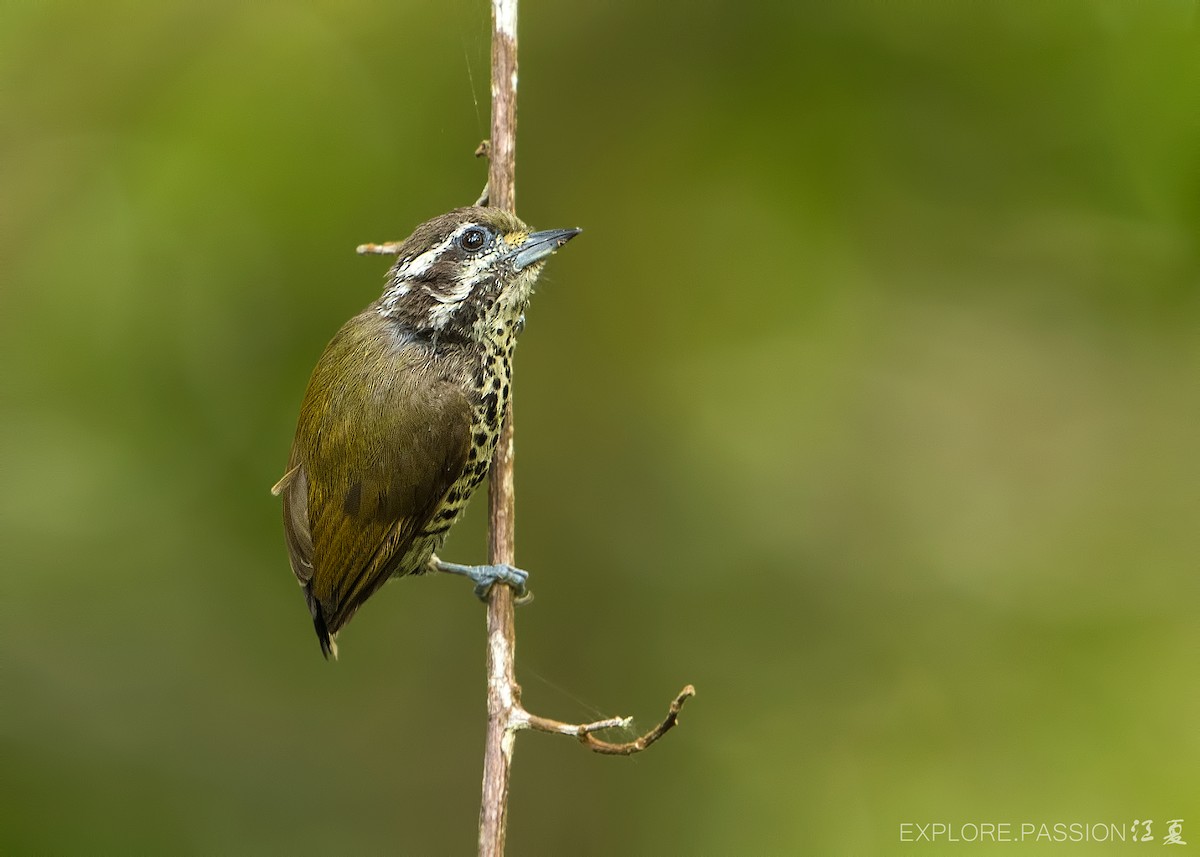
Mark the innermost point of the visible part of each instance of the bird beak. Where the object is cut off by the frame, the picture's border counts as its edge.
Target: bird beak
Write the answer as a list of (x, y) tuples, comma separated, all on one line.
[(539, 245)]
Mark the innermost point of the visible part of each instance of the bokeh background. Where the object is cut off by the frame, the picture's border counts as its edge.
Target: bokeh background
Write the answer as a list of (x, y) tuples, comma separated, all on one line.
[(867, 402)]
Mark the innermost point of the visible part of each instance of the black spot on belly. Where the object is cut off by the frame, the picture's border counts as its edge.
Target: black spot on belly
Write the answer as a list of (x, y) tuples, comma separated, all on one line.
[(490, 408)]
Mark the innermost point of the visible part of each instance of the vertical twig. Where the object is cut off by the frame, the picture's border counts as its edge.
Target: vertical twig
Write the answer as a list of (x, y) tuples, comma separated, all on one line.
[(506, 714), (503, 692)]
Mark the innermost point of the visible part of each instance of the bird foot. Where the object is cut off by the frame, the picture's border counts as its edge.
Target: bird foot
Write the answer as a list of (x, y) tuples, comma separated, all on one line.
[(485, 576)]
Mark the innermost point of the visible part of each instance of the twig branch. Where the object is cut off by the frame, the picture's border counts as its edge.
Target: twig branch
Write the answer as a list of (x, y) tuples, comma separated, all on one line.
[(584, 731), (506, 715), (391, 248)]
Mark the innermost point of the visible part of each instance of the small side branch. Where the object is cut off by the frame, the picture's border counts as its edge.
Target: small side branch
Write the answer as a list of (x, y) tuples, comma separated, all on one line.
[(522, 719), (391, 248)]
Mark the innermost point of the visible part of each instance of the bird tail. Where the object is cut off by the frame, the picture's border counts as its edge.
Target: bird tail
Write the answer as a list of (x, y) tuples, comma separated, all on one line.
[(326, 639)]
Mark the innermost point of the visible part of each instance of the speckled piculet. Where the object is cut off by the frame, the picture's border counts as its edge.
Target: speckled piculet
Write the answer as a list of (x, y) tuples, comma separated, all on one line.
[(402, 412)]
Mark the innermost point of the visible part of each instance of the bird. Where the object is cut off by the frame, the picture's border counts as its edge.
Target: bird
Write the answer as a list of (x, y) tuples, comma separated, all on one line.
[(403, 410)]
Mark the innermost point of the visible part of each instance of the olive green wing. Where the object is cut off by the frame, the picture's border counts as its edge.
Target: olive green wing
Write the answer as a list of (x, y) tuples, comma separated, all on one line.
[(355, 498)]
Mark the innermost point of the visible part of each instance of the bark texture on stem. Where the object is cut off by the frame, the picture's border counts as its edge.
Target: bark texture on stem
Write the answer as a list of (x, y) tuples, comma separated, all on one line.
[(503, 692), (504, 695), (506, 715)]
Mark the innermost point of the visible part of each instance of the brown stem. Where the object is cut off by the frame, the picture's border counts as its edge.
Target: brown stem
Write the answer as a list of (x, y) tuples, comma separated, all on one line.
[(506, 715), (504, 695)]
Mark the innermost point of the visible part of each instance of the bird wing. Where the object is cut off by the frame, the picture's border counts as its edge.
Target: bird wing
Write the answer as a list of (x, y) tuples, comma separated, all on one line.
[(356, 498)]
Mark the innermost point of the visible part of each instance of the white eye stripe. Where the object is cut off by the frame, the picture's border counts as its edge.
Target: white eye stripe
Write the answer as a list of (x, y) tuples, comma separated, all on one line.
[(422, 263), (468, 274)]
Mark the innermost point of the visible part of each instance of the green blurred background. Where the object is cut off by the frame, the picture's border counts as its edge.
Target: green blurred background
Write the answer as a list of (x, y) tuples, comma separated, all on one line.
[(867, 402)]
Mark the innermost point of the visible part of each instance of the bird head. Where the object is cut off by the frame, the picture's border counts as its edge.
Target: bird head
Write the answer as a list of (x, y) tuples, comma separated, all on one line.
[(466, 273)]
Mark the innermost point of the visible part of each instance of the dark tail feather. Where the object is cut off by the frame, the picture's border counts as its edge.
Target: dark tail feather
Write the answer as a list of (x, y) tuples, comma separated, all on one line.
[(328, 646)]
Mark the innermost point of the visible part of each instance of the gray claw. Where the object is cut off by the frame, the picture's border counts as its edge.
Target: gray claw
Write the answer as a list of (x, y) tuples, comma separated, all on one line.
[(485, 576)]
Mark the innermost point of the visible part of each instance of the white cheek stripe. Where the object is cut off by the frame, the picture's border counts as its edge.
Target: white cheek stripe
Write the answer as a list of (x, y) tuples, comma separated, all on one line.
[(424, 262), (471, 274), (441, 314), (448, 303)]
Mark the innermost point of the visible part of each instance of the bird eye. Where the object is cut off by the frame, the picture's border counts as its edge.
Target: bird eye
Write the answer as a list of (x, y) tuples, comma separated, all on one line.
[(473, 239)]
